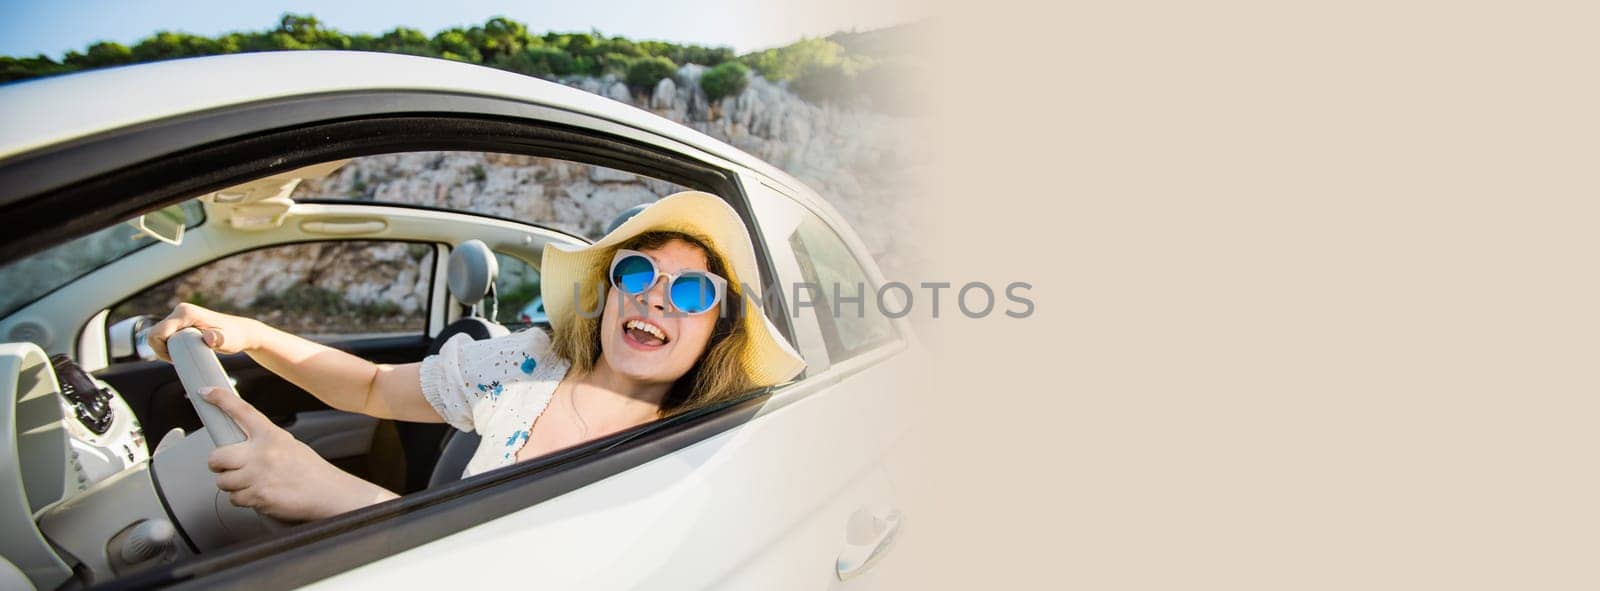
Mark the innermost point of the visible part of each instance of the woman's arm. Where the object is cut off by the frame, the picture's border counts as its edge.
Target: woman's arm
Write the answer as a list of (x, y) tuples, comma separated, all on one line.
[(279, 476), (341, 380)]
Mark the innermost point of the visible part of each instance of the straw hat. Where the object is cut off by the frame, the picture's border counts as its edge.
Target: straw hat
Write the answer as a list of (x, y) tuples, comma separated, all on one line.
[(768, 359)]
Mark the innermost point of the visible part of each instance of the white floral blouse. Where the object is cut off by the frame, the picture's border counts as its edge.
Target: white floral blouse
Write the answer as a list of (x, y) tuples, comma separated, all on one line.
[(496, 387)]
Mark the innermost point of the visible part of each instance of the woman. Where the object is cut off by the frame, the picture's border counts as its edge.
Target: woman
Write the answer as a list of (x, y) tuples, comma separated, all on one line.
[(670, 336)]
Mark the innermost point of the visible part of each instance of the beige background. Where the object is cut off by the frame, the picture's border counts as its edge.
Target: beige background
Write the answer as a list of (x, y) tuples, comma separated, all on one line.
[(1316, 299)]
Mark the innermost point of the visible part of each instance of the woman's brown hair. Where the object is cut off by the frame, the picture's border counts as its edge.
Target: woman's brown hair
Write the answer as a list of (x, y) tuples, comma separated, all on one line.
[(716, 375)]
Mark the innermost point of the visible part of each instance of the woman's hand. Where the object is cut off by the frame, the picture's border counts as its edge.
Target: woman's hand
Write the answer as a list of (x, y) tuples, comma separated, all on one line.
[(224, 333), (278, 475)]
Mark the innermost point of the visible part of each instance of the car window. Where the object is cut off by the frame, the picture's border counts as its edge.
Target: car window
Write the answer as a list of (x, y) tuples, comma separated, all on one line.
[(342, 288), (32, 277), (574, 197), (517, 290), (846, 299)]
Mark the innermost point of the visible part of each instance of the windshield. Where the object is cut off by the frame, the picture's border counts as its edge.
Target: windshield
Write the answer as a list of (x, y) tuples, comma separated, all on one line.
[(31, 278)]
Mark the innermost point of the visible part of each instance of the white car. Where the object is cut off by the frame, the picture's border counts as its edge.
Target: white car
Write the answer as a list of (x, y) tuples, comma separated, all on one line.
[(127, 189)]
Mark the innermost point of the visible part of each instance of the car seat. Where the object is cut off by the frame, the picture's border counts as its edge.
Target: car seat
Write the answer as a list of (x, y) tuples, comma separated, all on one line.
[(472, 272)]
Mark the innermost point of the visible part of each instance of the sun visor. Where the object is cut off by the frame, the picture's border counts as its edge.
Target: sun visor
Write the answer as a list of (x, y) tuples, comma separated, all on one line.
[(263, 203)]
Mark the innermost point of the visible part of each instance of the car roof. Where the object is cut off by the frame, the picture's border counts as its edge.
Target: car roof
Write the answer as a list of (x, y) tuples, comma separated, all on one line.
[(40, 113)]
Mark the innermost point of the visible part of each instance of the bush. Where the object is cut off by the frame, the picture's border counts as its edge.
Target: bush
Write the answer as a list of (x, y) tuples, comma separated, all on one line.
[(616, 63), (821, 83), (537, 61), (644, 73), (401, 37), (30, 67), (170, 45), (100, 55), (453, 44), (727, 79), (791, 61)]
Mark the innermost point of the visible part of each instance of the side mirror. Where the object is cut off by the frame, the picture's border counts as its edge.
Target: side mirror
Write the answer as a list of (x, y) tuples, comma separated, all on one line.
[(126, 339)]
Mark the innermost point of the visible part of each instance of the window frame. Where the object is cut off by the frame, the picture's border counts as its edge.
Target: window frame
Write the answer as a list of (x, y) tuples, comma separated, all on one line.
[(817, 339), (290, 132), (498, 287), (838, 351)]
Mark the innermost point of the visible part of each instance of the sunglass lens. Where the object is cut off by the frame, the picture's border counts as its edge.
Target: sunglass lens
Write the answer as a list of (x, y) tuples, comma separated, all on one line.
[(634, 274), (693, 293)]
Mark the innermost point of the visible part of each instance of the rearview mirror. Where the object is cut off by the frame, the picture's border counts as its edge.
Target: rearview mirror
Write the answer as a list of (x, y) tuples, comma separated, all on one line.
[(165, 225)]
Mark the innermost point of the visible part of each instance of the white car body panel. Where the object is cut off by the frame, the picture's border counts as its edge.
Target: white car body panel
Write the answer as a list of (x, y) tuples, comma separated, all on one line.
[(60, 109), (760, 507)]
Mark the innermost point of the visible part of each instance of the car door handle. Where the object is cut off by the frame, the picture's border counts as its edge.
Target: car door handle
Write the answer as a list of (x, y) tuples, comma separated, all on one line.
[(869, 539)]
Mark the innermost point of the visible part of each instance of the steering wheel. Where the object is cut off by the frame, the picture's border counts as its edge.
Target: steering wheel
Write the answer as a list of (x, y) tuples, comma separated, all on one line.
[(198, 369)]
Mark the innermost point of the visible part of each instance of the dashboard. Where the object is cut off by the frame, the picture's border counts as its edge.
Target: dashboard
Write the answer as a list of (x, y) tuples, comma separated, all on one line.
[(83, 500), (103, 434), (61, 433)]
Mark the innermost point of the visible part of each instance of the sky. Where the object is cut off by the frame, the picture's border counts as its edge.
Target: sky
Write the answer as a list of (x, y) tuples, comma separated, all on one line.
[(52, 27)]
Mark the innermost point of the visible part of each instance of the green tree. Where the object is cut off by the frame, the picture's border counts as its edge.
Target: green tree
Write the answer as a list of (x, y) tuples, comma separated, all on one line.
[(578, 44), (619, 46), (537, 61), (170, 45), (784, 63), (585, 65), (453, 44), (363, 42), (616, 63), (644, 73), (658, 48), (308, 33), (819, 83), (30, 67), (404, 40), (718, 55), (709, 56), (304, 28), (401, 37), (266, 41), (502, 37), (727, 79), (100, 55)]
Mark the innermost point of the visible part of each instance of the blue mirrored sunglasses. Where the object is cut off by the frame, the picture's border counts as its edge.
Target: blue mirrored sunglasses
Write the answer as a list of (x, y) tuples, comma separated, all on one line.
[(691, 292)]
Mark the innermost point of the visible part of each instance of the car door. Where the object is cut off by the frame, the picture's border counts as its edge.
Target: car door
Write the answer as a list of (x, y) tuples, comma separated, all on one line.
[(868, 366), (798, 497)]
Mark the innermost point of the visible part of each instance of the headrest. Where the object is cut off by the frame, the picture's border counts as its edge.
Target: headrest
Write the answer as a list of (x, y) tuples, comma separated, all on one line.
[(472, 271)]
